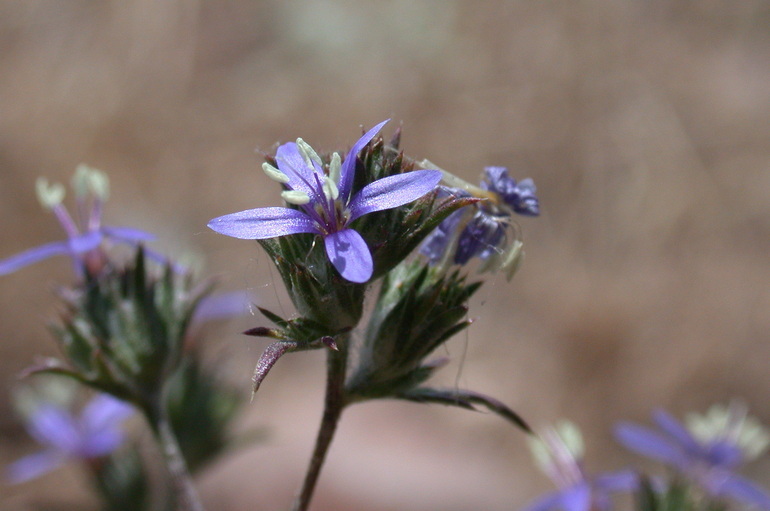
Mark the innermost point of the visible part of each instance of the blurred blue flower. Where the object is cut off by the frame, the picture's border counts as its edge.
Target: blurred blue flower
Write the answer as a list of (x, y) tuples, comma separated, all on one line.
[(84, 236), (95, 433), (520, 197), (708, 453), (325, 203), (485, 229), (559, 453)]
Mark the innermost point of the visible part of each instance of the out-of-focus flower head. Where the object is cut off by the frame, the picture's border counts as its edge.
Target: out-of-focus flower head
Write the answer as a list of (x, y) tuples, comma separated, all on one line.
[(559, 454), (325, 204), (708, 453), (92, 434), (85, 232), (485, 229)]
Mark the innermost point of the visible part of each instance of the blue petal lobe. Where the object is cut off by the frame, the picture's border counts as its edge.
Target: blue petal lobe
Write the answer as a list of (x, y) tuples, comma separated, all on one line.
[(577, 498), (224, 305), (545, 503), (263, 223), (651, 444), (33, 255), (85, 242), (746, 491), (349, 254), (673, 428), (33, 466), (54, 426), (105, 412), (393, 191), (624, 481), (348, 169)]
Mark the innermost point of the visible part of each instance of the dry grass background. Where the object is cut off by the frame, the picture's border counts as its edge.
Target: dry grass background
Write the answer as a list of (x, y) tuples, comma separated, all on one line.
[(645, 124)]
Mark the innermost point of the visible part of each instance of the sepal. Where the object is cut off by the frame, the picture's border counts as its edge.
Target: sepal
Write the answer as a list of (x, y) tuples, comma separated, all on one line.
[(464, 399), (297, 334), (317, 290), (122, 330), (418, 309)]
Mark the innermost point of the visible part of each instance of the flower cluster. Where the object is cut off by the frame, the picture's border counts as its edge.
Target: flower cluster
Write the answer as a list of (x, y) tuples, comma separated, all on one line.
[(708, 453), (559, 453), (92, 434), (325, 205), (85, 232), (704, 455), (348, 223)]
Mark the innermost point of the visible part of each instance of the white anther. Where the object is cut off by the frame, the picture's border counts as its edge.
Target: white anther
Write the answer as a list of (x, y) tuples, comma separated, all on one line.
[(274, 174), (295, 197)]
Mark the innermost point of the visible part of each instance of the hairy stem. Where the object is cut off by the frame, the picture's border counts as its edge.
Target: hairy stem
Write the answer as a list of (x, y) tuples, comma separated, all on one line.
[(186, 496), (336, 365)]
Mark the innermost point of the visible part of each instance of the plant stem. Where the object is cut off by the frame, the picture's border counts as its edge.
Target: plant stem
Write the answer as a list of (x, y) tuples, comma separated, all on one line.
[(336, 366), (186, 496)]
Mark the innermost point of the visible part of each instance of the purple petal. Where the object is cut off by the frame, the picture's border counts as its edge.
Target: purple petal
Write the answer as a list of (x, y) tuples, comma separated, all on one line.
[(673, 428), (263, 223), (33, 466), (104, 412), (127, 234), (649, 443), (746, 491), (85, 242), (724, 454), (348, 170), (545, 503), (577, 498), (224, 305), (348, 253), (624, 481), (393, 191), (33, 255), (291, 163), (55, 427), (99, 443)]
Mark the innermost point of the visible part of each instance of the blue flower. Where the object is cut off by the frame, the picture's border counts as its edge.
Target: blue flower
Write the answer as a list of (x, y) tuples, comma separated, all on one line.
[(325, 205), (484, 230), (520, 197), (84, 236), (95, 433), (559, 453), (708, 459)]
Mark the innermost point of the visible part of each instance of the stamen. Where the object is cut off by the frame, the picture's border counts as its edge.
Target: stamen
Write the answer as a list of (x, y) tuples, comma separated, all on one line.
[(295, 197), (99, 184), (50, 195), (80, 180), (335, 168), (275, 174), (308, 154), (330, 189)]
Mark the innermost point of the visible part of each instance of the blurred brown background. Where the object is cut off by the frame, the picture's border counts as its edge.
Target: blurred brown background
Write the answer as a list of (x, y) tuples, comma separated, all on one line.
[(645, 124)]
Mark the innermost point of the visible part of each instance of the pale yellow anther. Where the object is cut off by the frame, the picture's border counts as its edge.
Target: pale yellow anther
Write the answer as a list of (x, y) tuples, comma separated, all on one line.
[(50, 195), (80, 180), (99, 184), (274, 174), (295, 197), (330, 189), (308, 154), (88, 180), (335, 168)]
